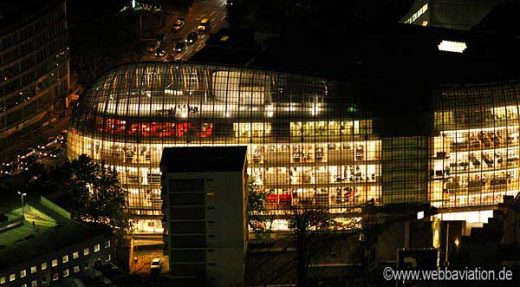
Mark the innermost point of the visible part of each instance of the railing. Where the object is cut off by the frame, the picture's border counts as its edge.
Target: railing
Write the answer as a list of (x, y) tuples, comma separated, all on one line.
[(12, 223)]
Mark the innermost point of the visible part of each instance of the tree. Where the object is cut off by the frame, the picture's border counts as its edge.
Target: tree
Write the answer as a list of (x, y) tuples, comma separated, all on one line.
[(307, 222), (257, 218), (94, 194)]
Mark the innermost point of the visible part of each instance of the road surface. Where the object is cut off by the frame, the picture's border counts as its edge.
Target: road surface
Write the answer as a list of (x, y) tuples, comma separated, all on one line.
[(214, 10)]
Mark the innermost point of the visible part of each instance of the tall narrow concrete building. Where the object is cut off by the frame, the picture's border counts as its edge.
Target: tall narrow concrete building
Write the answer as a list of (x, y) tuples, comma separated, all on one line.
[(204, 194)]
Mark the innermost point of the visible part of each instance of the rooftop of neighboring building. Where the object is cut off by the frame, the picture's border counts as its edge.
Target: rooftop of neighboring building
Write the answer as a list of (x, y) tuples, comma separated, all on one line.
[(43, 231), (503, 19), (395, 55), (203, 159), (230, 47)]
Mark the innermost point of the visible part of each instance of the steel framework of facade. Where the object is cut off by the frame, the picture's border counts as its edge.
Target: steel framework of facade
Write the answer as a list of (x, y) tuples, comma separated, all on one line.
[(308, 141)]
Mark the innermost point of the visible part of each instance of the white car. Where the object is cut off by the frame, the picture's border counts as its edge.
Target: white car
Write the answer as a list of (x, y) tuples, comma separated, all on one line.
[(156, 263)]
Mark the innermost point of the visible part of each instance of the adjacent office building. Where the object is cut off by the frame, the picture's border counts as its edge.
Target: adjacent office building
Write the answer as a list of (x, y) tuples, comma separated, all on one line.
[(450, 14), (34, 61), (205, 203), (41, 245)]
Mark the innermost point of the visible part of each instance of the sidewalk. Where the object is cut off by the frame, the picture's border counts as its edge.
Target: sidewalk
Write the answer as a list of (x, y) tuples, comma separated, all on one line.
[(10, 147)]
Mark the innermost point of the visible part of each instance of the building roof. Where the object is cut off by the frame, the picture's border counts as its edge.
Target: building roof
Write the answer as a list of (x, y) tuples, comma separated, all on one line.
[(50, 233), (503, 19), (155, 99), (203, 159)]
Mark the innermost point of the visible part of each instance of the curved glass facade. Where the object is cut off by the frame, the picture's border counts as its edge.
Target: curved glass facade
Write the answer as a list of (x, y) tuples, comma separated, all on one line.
[(308, 141), (475, 146)]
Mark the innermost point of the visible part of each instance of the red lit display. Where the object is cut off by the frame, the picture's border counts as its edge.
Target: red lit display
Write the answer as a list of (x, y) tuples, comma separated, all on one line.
[(154, 129)]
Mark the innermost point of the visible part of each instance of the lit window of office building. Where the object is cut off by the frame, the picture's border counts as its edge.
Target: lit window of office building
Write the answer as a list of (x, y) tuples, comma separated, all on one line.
[(451, 14), (34, 62), (45, 255)]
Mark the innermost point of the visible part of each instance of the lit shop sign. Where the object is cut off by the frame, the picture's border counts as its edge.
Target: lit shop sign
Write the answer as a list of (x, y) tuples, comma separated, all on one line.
[(179, 111)]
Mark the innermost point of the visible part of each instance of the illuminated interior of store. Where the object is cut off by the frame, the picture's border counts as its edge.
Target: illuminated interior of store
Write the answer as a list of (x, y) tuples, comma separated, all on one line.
[(307, 144)]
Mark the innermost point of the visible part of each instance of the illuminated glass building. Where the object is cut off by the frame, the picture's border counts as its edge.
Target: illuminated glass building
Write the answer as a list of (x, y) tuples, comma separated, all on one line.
[(474, 155), (34, 61), (311, 141)]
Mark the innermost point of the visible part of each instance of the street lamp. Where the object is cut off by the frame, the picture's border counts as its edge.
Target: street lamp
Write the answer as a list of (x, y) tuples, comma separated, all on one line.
[(22, 195)]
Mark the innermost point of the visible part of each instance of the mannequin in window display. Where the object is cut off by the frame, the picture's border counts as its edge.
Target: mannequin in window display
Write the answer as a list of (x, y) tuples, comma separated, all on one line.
[(483, 180), (293, 173), (511, 138), (295, 197), (338, 196), (359, 174), (338, 174), (307, 155), (351, 173), (360, 151), (446, 172), (348, 194), (319, 153), (308, 176), (475, 184), (257, 155), (474, 142), (487, 159), (499, 158), (129, 156), (474, 160)]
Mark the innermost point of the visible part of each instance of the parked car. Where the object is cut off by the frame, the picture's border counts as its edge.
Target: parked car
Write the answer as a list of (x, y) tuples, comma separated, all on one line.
[(155, 266), (160, 52), (178, 25), (192, 38), (156, 263), (179, 47), (29, 161), (53, 153), (203, 25), (8, 168), (61, 138)]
